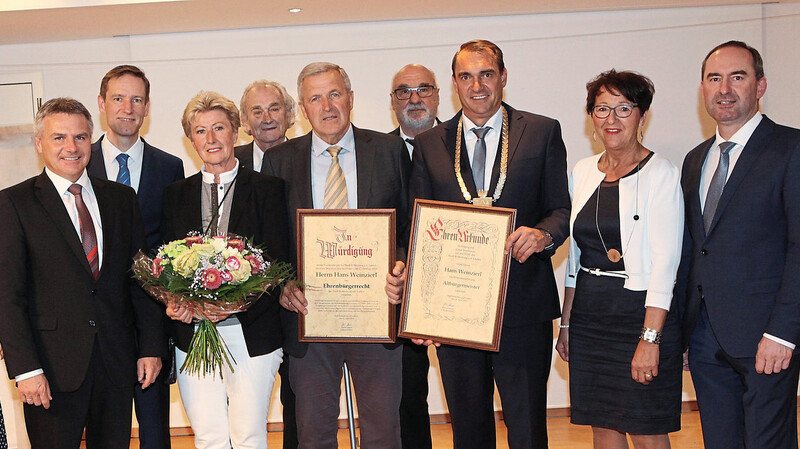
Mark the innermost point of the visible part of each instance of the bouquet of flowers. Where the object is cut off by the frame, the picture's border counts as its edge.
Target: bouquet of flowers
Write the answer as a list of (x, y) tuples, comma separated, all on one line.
[(213, 276)]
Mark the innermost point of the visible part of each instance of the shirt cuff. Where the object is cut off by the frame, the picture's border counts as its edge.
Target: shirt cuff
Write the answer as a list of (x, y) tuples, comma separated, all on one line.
[(781, 341), (28, 375)]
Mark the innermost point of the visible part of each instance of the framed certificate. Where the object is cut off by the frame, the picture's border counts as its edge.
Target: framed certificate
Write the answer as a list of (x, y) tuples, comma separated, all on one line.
[(457, 274), (343, 257)]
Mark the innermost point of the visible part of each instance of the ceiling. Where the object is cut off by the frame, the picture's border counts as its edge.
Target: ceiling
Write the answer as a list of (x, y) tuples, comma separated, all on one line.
[(26, 21)]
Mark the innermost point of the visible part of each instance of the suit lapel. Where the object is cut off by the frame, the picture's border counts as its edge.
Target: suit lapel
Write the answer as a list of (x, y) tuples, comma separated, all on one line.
[(302, 172), (108, 224), (147, 179), (53, 206), (750, 154), (692, 183), (241, 197), (191, 208), (365, 159), (97, 165), (516, 128), (451, 127)]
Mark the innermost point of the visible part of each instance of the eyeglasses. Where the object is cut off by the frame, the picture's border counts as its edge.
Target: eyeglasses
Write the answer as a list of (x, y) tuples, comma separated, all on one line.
[(404, 93), (621, 110)]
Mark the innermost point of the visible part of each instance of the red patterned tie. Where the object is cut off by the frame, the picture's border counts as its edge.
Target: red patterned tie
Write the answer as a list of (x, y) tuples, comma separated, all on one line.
[(88, 237)]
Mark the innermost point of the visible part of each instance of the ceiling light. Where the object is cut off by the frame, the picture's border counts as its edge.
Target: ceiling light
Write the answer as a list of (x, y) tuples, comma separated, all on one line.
[(295, 10)]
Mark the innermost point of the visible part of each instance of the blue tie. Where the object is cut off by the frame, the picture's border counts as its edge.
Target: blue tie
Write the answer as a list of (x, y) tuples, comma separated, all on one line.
[(124, 175)]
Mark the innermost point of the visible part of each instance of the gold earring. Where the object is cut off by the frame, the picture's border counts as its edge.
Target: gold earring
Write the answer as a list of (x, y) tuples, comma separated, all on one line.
[(641, 134), (594, 136)]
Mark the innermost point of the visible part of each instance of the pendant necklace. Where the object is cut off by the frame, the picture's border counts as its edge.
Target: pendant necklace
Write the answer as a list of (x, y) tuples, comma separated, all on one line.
[(613, 254)]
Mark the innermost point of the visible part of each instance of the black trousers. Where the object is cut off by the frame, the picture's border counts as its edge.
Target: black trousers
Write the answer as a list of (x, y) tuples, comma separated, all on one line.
[(102, 408), (520, 369), (415, 422)]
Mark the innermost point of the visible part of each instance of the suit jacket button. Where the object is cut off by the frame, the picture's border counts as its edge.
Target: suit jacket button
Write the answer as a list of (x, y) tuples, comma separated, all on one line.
[(704, 252), (92, 323), (94, 291)]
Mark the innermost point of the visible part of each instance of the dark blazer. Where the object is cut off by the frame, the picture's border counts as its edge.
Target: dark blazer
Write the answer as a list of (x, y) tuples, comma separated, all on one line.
[(51, 308), (258, 212), (536, 185), (382, 166), (159, 169), (244, 153), (746, 268)]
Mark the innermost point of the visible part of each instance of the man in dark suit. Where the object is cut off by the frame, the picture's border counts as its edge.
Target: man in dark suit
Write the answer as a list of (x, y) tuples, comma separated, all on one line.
[(268, 111), (122, 155), (415, 102), (375, 170), (76, 330), (535, 183), (738, 280)]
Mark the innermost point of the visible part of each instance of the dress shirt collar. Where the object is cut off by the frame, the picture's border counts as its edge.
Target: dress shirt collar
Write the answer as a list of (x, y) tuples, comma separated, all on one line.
[(225, 177), (742, 136), (347, 142), (110, 152), (62, 184), (495, 121)]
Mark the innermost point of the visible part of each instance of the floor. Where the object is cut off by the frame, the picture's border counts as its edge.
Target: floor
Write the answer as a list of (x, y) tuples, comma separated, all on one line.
[(563, 435)]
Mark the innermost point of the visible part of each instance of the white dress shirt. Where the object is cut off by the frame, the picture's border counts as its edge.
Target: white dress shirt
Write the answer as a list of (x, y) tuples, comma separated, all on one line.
[(321, 163), (136, 155), (492, 139)]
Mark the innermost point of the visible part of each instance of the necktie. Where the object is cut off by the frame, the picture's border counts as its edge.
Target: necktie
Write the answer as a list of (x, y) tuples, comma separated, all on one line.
[(212, 227), (124, 175), (335, 185), (413, 147), (479, 157), (717, 183), (86, 225)]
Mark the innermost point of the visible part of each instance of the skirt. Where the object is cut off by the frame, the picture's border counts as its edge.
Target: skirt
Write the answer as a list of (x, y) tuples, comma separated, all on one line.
[(605, 324)]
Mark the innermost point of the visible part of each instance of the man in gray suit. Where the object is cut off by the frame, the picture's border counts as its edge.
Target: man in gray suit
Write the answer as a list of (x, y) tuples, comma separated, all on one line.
[(375, 168), (738, 285)]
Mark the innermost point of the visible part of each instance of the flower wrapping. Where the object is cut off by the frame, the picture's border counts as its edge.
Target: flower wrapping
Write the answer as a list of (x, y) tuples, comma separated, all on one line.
[(212, 276)]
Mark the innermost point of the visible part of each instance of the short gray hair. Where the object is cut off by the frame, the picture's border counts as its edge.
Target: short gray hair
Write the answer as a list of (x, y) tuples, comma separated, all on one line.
[(316, 68), (61, 105), (288, 101)]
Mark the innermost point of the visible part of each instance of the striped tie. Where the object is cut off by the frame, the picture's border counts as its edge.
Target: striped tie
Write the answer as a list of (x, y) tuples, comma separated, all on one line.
[(335, 185), (124, 175), (88, 236)]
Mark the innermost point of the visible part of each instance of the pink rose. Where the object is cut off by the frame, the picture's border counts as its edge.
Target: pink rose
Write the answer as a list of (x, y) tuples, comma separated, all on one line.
[(212, 279), (236, 244), (192, 240), (226, 276), (156, 267), (255, 265), (232, 263)]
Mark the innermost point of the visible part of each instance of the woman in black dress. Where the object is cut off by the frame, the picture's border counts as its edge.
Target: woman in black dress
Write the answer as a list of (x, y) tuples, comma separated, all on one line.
[(617, 332)]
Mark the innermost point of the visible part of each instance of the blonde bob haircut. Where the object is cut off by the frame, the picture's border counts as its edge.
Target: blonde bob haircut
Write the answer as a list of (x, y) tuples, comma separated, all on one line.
[(206, 101)]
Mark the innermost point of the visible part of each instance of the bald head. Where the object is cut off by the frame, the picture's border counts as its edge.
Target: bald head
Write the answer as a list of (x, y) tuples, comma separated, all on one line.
[(415, 99)]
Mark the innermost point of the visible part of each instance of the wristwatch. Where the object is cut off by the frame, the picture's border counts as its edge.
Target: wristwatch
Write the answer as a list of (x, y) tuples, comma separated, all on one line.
[(650, 335), (547, 234)]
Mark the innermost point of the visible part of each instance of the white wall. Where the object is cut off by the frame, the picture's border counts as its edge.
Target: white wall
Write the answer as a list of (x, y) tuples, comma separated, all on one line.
[(549, 60)]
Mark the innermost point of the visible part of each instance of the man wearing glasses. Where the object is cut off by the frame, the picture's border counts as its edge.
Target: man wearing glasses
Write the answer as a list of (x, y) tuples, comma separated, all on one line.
[(415, 101)]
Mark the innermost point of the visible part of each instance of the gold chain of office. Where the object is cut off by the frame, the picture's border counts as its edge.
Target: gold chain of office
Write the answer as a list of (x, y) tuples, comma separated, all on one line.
[(482, 199)]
